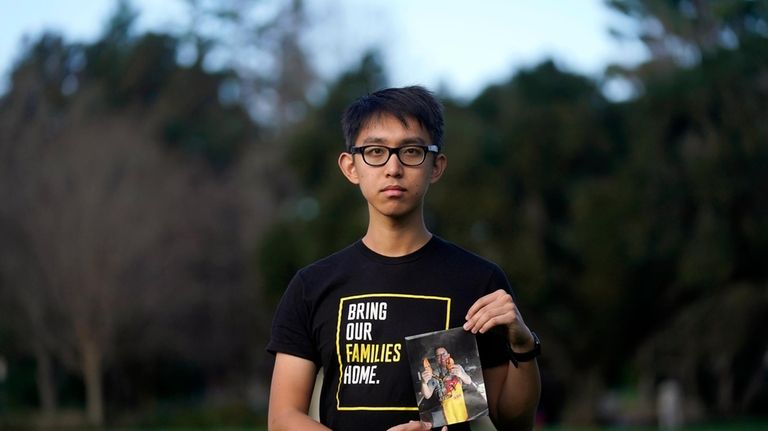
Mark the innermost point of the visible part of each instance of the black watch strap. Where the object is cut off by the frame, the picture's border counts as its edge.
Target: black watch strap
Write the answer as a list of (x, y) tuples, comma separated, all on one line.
[(525, 356)]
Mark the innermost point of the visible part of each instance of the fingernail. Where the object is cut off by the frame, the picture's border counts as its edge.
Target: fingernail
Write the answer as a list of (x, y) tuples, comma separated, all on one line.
[(466, 326)]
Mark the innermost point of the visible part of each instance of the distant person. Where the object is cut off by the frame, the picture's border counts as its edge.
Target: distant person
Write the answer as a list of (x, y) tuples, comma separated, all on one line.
[(669, 406), (349, 313)]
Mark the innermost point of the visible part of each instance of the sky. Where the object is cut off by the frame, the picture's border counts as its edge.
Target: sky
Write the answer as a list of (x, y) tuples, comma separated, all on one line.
[(456, 46)]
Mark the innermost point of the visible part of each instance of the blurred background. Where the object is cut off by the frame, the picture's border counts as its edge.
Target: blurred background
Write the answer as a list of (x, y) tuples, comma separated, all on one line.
[(165, 168)]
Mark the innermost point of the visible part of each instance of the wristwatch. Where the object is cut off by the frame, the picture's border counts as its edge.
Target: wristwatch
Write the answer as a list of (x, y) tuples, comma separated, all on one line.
[(525, 356)]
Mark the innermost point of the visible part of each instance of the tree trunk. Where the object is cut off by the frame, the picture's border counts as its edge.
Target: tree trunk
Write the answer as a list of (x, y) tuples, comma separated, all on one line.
[(724, 388), (46, 388), (755, 383), (94, 396)]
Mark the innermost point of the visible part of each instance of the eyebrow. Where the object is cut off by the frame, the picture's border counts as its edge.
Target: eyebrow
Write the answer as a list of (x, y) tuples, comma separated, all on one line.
[(406, 141)]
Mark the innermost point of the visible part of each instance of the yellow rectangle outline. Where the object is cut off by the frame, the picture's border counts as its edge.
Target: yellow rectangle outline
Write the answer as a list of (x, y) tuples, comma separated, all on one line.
[(338, 345)]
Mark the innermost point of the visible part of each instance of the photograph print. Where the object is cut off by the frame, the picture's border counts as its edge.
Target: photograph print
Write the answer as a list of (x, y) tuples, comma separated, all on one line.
[(447, 376)]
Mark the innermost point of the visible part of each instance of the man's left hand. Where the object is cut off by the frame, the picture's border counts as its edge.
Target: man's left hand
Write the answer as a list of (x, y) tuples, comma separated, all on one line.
[(498, 309)]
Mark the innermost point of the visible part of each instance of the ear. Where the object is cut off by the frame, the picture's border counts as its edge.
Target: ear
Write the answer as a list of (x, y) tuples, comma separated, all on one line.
[(438, 167), (347, 166)]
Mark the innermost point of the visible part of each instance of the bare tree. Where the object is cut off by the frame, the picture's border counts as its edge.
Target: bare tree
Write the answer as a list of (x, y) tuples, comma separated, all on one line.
[(27, 308), (92, 200), (110, 232)]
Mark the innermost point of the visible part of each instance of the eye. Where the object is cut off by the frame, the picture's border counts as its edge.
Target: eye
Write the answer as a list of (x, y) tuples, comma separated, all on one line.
[(412, 151), (375, 151)]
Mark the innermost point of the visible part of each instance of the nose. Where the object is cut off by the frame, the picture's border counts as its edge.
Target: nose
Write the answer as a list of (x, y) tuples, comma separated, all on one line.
[(393, 166)]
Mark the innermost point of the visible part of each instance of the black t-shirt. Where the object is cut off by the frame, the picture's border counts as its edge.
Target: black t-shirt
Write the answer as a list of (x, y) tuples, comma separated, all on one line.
[(349, 314)]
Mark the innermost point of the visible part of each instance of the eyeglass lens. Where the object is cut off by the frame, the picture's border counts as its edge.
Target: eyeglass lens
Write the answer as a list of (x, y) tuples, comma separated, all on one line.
[(409, 155)]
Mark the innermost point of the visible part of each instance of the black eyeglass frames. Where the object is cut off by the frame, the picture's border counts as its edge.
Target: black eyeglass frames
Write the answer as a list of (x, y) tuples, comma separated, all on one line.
[(409, 155)]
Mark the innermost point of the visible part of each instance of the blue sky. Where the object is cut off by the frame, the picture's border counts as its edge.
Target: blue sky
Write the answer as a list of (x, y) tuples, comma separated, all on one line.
[(458, 45)]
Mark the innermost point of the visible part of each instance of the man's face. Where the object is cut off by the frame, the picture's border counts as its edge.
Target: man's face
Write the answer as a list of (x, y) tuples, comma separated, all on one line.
[(392, 190), (442, 355)]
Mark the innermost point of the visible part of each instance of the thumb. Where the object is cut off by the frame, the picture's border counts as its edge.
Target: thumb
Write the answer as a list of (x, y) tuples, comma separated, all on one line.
[(412, 426)]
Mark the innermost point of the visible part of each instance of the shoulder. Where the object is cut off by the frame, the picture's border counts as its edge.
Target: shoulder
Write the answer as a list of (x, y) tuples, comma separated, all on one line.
[(465, 264), (333, 267), (347, 254), (458, 255)]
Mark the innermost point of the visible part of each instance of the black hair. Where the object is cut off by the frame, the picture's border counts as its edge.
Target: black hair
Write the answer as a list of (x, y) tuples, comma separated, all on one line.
[(414, 101)]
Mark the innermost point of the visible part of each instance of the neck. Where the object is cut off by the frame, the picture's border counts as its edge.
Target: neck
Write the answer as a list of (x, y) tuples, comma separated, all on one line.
[(393, 237)]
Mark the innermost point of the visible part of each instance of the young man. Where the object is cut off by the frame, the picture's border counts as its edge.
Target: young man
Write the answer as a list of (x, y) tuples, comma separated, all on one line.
[(349, 313)]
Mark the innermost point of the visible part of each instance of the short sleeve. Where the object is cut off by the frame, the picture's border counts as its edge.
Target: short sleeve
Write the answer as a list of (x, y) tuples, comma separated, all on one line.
[(291, 326), (492, 345)]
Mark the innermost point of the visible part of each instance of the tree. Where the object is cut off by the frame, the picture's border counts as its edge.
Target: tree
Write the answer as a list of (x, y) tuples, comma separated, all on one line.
[(323, 209), (92, 199), (126, 170), (262, 44), (682, 31), (109, 218), (621, 225)]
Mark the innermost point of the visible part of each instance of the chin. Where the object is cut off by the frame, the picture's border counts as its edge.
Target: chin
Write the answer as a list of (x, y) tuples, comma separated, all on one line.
[(396, 210), (399, 214)]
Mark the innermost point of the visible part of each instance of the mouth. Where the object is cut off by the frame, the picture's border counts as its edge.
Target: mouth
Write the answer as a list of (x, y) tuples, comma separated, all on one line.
[(393, 191), (398, 188)]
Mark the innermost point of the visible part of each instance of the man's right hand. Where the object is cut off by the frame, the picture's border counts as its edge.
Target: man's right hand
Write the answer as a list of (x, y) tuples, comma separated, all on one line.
[(415, 426)]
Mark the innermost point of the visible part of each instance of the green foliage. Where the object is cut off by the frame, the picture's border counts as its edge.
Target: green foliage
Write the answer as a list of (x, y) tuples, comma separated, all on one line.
[(19, 388), (186, 103), (634, 233), (119, 146), (197, 123), (183, 104), (669, 27), (611, 219), (328, 213)]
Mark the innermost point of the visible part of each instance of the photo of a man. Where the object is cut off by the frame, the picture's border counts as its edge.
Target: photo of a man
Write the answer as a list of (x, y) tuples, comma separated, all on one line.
[(446, 382), (449, 382)]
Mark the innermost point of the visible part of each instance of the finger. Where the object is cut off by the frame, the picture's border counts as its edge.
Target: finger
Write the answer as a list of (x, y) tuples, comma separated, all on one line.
[(500, 318), (482, 302), (493, 322), (479, 315), (411, 426), (511, 318), (490, 311), (490, 303), (418, 425)]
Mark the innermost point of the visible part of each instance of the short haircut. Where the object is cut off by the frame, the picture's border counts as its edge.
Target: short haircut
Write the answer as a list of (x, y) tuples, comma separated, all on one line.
[(414, 101)]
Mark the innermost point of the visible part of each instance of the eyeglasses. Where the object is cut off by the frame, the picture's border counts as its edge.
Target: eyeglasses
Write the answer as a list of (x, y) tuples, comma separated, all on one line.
[(409, 155)]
